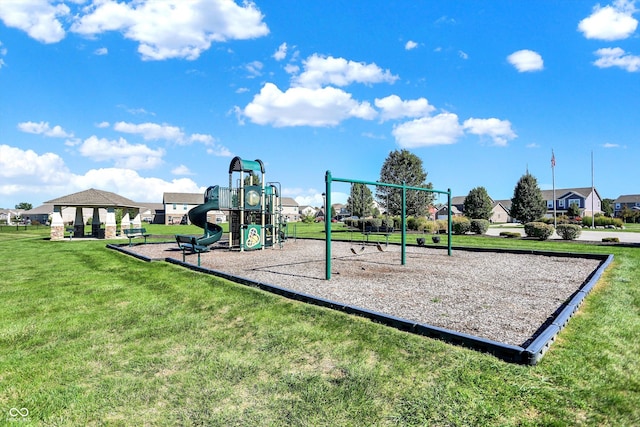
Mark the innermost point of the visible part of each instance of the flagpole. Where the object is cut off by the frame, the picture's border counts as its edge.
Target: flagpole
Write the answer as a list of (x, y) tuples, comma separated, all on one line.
[(553, 179), (593, 196)]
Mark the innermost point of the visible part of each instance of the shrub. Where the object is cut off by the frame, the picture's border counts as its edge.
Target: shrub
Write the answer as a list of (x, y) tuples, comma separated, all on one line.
[(427, 226), (412, 223), (387, 222), (373, 222), (460, 225), (510, 234), (610, 240), (568, 231), (443, 226), (479, 226), (539, 230)]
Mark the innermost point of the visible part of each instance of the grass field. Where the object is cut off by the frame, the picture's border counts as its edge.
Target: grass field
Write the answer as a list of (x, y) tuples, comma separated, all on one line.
[(89, 336)]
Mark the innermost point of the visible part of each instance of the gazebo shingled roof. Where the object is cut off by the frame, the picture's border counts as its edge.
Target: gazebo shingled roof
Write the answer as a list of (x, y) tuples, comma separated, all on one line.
[(94, 198)]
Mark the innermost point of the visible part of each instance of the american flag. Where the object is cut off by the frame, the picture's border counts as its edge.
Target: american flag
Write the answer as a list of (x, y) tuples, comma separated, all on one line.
[(553, 159)]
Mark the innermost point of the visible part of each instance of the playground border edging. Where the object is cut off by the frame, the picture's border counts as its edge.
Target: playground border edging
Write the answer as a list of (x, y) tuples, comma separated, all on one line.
[(529, 355)]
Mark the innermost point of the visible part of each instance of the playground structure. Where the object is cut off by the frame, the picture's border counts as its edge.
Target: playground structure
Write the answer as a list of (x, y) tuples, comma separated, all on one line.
[(329, 179), (254, 206)]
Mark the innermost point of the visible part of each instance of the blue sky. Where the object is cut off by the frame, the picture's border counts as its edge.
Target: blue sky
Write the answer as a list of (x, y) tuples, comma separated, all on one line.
[(146, 97)]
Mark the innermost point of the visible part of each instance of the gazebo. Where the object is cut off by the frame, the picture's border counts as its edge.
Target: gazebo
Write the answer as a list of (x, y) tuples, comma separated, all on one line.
[(95, 199)]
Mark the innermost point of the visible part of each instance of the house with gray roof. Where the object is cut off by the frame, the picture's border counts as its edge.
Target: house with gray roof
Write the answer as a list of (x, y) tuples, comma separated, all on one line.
[(629, 201), (587, 199)]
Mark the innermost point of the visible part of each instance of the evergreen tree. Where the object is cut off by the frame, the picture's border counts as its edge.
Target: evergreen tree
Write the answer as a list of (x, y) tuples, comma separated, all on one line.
[(360, 202), (478, 204), (24, 205), (403, 166), (527, 204), (607, 207)]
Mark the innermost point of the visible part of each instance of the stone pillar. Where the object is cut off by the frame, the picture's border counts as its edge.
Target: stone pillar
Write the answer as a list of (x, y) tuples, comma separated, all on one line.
[(125, 223), (137, 222), (78, 224), (95, 223), (110, 224), (57, 225)]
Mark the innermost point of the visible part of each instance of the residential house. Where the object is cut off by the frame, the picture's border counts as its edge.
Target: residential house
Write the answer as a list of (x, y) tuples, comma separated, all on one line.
[(9, 216), (178, 205), (630, 201), (585, 198), (307, 211), (290, 209), (499, 209)]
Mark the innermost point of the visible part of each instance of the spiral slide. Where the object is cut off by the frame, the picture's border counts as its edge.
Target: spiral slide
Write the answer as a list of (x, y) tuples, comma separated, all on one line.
[(198, 216)]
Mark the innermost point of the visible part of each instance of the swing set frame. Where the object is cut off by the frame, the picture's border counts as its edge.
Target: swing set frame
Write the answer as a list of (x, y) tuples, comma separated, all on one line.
[(327, 224)]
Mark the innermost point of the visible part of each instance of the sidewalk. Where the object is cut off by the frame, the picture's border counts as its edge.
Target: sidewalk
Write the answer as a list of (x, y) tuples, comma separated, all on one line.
[(585, 235)]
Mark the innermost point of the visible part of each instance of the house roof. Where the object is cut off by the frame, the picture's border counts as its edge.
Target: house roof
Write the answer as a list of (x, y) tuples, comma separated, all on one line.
[(629, 198), (288, 201), (93, 198), (505, 203), (562, 193), (188, 198)]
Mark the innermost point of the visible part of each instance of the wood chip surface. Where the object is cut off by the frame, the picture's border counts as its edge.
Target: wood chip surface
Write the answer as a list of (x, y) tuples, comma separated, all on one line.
[(499, 296)]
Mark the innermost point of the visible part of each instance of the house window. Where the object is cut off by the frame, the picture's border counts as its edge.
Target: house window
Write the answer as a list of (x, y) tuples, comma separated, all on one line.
[(618, 206), (561, 203), (175, 206), (184, 207), (574, 202), (549, 204)]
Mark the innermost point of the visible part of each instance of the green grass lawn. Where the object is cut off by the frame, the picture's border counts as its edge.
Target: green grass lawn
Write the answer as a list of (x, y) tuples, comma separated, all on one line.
[(89, 336)]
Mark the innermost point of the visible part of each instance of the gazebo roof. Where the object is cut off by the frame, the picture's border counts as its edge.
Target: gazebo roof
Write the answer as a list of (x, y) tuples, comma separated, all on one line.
[(94, 198)]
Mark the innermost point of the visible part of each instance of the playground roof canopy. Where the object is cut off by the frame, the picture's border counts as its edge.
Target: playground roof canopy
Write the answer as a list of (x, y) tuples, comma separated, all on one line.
[(94, 198), (239, 165)]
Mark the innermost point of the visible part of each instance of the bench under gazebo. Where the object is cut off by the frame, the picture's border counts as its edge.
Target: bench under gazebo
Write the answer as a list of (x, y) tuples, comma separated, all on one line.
[(96, 200)]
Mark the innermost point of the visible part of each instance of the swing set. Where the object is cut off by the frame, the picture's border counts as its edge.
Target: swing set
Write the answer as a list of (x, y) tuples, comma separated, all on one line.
[(329, 180)]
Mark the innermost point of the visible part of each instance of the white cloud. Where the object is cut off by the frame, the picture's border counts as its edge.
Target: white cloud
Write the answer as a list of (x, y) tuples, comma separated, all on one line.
[(320, 71), (101, 51), (498, 130), (103, 125), (121, 153), (181, 170), (301, 106), (173, 28), (613, 22), (442, 129), (394, 108), (27, 168), (617, 57), (152, 131), (254, 68), (43, 128), (463, 54), (281, 53), (27, 174), (610, 145), (526, 60), (38, 18), (410, 45), (3, 52)]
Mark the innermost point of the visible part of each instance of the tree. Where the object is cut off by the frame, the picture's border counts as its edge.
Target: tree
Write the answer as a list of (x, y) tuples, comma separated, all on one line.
[(573, 210), (360, 202), (607, 207), (527, 204), (478, 204), (25, 206), (404, 167)]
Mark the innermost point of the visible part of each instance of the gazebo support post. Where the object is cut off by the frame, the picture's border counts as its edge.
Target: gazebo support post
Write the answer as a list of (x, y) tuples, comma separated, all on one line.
[(110, 224), (95, 223), (78, 224), (57, 225)]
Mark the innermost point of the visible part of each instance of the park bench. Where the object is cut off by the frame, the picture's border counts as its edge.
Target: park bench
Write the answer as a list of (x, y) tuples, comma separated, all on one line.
[(190, 243), (132, 233)]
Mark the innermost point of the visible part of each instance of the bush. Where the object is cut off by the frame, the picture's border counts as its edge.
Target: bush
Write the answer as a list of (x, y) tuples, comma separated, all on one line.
[(479, 226), (602, 221), (412, 223), (460, 225), (443, 226), (510, 234), (568, 231), (610, 240), (428, 227), (539, 230)]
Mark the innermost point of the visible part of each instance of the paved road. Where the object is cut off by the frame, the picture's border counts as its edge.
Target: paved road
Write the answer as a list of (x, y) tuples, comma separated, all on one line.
[(586, 235)]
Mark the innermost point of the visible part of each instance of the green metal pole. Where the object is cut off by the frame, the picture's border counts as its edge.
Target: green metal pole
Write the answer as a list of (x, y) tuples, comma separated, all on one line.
[(449, 221), (404, 224), (327, 225)]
